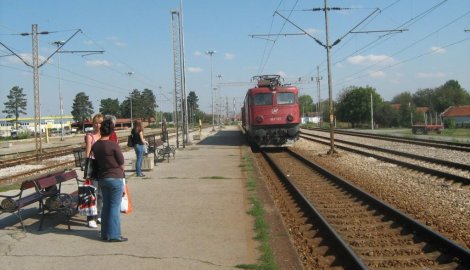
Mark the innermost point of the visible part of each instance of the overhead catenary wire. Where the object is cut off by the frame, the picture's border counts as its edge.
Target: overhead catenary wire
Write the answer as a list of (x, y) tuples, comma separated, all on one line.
[(263, 65), (379, 40), (408, 47)]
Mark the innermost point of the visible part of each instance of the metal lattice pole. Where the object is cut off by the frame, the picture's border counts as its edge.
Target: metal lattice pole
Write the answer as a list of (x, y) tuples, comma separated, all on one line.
[(178, 68), (37, 103)]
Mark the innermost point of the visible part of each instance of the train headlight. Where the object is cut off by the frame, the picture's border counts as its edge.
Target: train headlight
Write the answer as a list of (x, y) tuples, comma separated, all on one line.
[(259, 119), (290, 118)]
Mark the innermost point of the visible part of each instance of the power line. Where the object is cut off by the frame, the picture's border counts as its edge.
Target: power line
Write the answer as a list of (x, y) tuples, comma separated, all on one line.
[(413, 43)]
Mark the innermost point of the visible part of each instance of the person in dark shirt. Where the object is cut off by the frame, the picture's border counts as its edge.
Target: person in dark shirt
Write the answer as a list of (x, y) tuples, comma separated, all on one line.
[(110, 164), (139, 146)]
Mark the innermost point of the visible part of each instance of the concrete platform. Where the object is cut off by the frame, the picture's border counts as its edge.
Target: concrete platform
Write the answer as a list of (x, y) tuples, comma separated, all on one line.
[(190, 213)]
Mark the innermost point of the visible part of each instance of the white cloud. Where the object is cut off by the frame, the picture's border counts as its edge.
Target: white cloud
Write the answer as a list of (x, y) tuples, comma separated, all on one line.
[(371, 59), (98, 63), (197, 53), (120, 44), (431, 74), (377, 74), (27, 57), (435, 49), (229, 56), (312, 31), (117, 42), (195, 69)]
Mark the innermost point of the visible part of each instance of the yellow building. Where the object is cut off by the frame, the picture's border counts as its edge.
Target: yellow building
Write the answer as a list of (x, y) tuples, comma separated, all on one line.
[(26, 124)]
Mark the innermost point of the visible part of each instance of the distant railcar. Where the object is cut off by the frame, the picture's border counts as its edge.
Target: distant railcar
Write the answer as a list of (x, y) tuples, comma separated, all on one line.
[(270, 113)]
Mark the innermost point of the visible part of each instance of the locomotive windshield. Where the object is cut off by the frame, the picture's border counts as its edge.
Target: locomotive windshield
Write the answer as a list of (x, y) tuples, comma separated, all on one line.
[(263, 99), (285, 98)]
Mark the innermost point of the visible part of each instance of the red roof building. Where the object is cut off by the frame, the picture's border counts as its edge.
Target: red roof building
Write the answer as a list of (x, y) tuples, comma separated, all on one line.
[(461, 114)]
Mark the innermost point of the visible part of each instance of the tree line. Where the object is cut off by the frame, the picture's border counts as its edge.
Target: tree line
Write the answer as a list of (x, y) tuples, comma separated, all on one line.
[(141, 104), (353, 105)]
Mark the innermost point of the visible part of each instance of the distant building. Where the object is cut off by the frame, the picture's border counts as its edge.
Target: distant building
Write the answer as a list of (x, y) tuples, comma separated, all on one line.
[(26, 124), (460, 114)]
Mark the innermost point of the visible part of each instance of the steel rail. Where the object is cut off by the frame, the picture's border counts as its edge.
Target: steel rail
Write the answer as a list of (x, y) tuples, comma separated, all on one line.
[(424, 142), (457, 178), (447, 163), (450, 246), (354, 260)]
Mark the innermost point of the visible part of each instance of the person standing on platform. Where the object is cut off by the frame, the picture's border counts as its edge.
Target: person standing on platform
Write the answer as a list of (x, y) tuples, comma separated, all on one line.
[(110, 165), (90, 139), (139, 146)]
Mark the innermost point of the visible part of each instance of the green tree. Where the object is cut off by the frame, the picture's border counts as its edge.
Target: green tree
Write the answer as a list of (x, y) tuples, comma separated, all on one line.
[(442, 97), (147, 104), (407, 108), (354, 105), (110, 106), (423, 98), (16, 104), (82, 108), (450, 94), (126, 107), (386, 116), (306, 104), (193, 108)]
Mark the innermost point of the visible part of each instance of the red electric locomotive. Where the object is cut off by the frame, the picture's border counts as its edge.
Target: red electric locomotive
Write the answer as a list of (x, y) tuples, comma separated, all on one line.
[(270, 113)]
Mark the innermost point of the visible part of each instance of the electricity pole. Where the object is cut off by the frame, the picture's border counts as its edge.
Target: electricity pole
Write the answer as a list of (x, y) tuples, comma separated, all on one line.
[(37, 104), (330, 82), (328, 47), (61, 101), (210, 53), (318, 78)]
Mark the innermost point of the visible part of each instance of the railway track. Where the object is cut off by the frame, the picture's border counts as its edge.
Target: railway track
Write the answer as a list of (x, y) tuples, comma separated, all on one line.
[(339, 224), (465, 147), (26, 157), (450, 170), (48, 160)]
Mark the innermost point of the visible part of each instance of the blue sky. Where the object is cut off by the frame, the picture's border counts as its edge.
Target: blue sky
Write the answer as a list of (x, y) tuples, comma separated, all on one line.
[(136, 37)]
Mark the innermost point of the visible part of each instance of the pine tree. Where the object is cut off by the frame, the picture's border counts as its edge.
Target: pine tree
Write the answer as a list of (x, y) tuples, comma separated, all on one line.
[(82, 108), (16, 104)]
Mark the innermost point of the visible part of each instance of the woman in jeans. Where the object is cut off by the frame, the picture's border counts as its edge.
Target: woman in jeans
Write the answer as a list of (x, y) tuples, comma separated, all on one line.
[(139, 146), (110, 164)]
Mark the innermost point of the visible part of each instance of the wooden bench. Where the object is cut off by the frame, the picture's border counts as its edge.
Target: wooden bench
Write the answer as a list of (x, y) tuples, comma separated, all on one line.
[(47, 192), (65, 203)]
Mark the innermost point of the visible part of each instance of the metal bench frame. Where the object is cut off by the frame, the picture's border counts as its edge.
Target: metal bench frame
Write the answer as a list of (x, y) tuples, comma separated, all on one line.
[(47, 192), (160, 149)]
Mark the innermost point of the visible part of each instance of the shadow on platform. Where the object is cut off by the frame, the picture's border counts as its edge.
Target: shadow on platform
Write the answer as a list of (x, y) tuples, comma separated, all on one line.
[(226, 138)]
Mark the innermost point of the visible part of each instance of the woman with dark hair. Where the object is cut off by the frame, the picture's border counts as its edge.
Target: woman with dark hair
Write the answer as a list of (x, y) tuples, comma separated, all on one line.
[(139, 146), (110, 164)]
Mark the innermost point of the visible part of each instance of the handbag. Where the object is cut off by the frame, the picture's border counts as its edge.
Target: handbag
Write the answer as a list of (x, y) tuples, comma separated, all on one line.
[(126, 206), (87, 199), (91, 168), (130, 141)]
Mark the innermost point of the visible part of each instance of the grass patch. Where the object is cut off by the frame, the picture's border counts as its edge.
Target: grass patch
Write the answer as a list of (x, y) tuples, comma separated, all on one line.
[(10, 187), (266, 260), (214, 177)]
